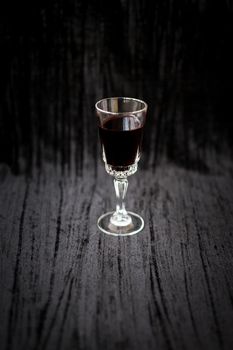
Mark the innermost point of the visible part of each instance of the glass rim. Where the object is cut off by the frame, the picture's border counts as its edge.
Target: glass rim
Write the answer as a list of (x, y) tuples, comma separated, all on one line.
[(119, 113)]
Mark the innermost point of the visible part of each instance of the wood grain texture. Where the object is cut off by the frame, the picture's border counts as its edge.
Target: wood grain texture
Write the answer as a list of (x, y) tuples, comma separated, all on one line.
[(63, 284)]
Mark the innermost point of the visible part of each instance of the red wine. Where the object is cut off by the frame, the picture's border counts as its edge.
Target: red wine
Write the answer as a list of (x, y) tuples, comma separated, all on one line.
[(121, 139)]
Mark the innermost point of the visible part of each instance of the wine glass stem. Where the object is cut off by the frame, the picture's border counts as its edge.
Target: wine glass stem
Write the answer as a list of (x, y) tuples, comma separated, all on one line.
[(121, 186)]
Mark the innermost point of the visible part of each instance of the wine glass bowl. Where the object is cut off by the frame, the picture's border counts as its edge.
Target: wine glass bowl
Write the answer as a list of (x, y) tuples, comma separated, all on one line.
[(121, 121)]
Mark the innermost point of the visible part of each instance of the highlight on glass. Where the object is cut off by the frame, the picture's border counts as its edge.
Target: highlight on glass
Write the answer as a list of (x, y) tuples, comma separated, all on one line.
[(121, 121)]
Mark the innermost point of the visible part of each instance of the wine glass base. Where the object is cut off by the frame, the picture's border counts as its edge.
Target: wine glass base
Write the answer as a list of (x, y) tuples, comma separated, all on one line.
[(105, 225)]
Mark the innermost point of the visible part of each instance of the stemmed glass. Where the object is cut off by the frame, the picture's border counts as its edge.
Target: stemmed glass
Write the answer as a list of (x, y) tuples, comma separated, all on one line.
[(121, 121)]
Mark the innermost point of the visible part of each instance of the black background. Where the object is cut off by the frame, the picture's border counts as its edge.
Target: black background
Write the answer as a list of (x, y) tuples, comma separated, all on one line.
[(58, 58)]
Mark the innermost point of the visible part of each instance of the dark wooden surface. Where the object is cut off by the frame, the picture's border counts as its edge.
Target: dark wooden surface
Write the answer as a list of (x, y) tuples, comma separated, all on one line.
[(63, 284)]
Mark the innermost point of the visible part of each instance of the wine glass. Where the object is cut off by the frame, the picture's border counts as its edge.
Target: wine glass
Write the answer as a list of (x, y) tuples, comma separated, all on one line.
[(121, 121)]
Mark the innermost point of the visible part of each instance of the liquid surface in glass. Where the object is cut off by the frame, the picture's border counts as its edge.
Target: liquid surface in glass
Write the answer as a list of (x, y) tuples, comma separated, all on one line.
[(121, 139)]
